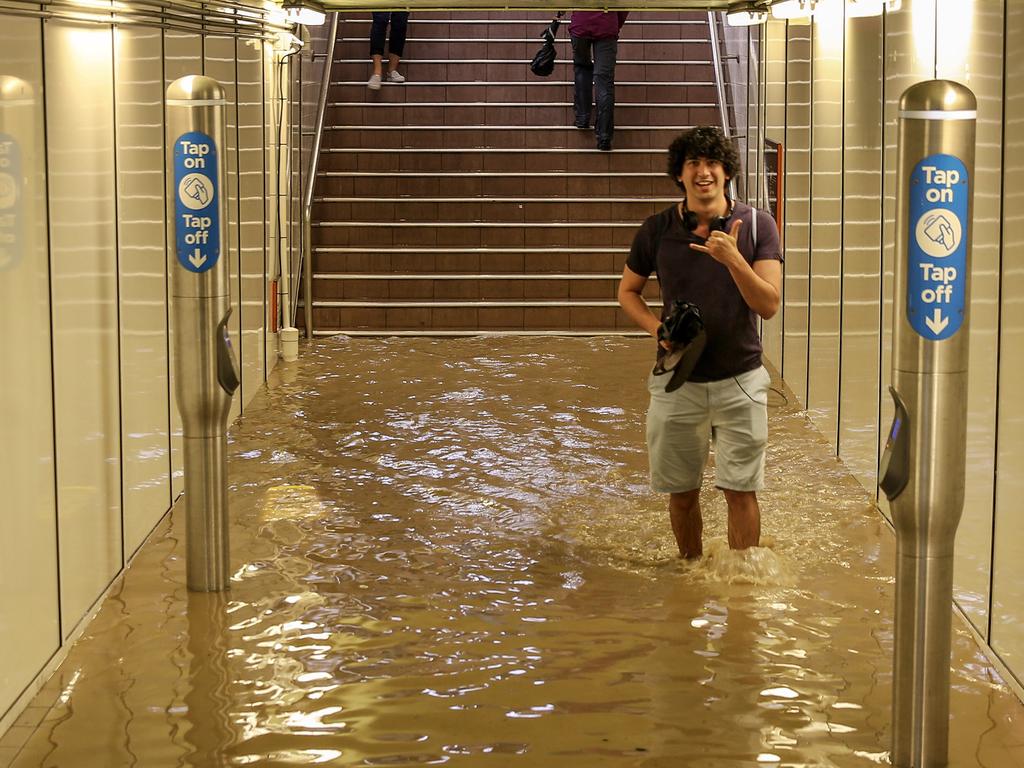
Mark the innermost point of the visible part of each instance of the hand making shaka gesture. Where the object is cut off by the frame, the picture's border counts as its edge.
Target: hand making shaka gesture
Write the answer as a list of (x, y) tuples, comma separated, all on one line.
[(722, 245)]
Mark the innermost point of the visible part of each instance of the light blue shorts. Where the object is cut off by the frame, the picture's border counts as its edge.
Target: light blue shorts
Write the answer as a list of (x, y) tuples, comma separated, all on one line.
[(731, 413)]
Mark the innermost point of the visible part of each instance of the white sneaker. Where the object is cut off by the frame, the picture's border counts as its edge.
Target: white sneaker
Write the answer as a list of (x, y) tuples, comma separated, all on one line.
[(395, 77), (374, 82)]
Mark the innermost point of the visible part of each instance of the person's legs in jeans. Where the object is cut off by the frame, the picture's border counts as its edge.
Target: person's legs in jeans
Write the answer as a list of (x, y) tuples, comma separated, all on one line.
[(605, 52), (583, 81), (396, 43), (378, 31)]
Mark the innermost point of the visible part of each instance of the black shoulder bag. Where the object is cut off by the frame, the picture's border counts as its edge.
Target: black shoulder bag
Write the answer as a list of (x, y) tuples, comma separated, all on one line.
[(543, 63)]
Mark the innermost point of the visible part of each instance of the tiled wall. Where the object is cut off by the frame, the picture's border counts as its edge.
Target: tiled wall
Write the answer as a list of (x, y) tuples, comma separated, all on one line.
[(1007, 614), (842, 80), (90, 454)]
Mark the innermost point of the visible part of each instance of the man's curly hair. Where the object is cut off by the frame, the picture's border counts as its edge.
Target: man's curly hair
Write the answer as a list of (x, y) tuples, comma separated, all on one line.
[(705, 141)]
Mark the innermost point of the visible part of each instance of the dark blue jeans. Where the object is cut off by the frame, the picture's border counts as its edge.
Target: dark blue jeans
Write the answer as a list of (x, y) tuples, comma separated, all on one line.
[(399, 20), (593, 66)]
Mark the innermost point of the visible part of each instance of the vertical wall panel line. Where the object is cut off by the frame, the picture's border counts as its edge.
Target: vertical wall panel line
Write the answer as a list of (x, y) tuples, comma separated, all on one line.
[(810, 215), (240, 352), (53, 352), (785, 186), (167, 280), (881, 253), (842, 234), (999, 331), (263, 179), (117, 289)]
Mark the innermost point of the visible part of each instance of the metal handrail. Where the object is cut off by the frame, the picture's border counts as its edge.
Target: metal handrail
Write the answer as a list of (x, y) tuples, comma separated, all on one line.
[(307, 197), (723, 105)]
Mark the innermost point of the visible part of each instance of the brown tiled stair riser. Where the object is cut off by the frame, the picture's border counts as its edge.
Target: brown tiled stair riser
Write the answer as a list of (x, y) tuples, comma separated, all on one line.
[(464, 201)]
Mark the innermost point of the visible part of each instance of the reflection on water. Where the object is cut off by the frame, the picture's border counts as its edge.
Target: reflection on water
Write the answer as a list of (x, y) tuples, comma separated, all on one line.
[(446, 552)]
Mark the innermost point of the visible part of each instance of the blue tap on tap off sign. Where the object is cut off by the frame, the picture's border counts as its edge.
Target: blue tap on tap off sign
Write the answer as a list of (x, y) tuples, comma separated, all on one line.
[(937, 246), (196, 209)]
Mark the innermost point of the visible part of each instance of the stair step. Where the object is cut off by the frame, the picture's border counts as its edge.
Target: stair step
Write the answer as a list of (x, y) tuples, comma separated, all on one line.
[(464, 202), (544, 318)]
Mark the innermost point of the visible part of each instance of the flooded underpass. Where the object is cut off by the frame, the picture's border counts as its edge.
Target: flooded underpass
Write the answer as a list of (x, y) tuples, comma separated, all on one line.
[(445, 552)]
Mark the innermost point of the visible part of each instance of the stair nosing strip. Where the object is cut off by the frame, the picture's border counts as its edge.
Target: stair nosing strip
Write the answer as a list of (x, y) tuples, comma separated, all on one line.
[(528, 40), (456, 249), (477, 332), (526, 62), (514, 83), (594, 199), (490, 22), (467, 304), (478, 224), (517, 104), (464, 276), (494, 150), (490, 174), (375, 128)]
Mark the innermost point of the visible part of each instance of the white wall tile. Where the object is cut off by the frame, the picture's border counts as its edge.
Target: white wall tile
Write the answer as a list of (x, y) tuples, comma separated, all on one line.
[(29, 621), (83, 256)]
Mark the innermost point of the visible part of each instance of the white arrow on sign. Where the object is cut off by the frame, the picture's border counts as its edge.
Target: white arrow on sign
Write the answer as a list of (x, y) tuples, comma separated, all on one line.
[(936, 322), (198, 260)]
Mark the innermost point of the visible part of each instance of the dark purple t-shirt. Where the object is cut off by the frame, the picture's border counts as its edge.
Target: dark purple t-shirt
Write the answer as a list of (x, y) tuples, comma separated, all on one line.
[(733, 345)]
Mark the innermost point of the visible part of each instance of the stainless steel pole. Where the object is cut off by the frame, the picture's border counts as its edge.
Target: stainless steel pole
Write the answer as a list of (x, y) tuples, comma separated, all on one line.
[(923, 465), (206, 372)]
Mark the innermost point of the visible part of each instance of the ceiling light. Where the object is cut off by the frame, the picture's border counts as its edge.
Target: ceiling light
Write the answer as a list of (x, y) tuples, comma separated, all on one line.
[(793, 9), (861, 8), (746, 14), (306, 12), (286, 43)]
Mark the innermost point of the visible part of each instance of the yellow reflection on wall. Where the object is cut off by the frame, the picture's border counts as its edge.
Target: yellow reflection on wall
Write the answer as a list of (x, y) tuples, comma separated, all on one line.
[(828, 20), (954, 29), (923, 25), (91, 45)]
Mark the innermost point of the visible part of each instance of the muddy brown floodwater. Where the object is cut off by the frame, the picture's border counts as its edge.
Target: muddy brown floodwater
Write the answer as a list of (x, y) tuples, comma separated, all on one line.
[(446, 552)]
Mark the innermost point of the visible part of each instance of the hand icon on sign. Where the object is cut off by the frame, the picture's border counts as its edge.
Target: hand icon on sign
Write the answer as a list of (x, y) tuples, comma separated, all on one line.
[(939, 230), (195, 189)]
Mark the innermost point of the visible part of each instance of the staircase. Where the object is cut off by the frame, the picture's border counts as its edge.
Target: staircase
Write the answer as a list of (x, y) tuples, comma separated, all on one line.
[(465, 202)]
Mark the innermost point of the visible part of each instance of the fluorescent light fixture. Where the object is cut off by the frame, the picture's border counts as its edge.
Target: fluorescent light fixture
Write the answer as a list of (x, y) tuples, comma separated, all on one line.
[(861, 8), (306, 12), (286, 43), (793, 9), (746, 14)]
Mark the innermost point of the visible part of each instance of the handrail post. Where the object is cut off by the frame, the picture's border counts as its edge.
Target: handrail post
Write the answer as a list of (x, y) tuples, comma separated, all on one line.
[(723, 106), (307, 198)]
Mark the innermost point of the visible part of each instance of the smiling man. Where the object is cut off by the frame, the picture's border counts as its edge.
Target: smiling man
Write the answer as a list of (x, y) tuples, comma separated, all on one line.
[(723, 256)]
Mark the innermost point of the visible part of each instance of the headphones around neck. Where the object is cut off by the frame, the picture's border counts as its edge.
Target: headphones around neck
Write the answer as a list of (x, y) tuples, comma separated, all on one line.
[(691, 223)]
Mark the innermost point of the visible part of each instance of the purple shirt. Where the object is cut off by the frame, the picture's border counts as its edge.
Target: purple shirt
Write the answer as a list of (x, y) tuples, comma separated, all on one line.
[(597, 25)]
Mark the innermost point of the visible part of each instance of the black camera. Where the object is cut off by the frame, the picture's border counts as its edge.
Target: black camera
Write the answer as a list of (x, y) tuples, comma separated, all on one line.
[(683, 328), (682, 325)]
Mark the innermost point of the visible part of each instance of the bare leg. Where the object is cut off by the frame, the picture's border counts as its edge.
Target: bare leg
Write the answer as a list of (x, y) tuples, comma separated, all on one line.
[(744, 519), (684, 512), (393, 62), (377, 67)]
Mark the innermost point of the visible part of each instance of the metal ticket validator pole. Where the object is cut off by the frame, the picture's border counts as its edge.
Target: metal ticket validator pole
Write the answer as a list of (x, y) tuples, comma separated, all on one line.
[(206, 371), (922, 468)]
